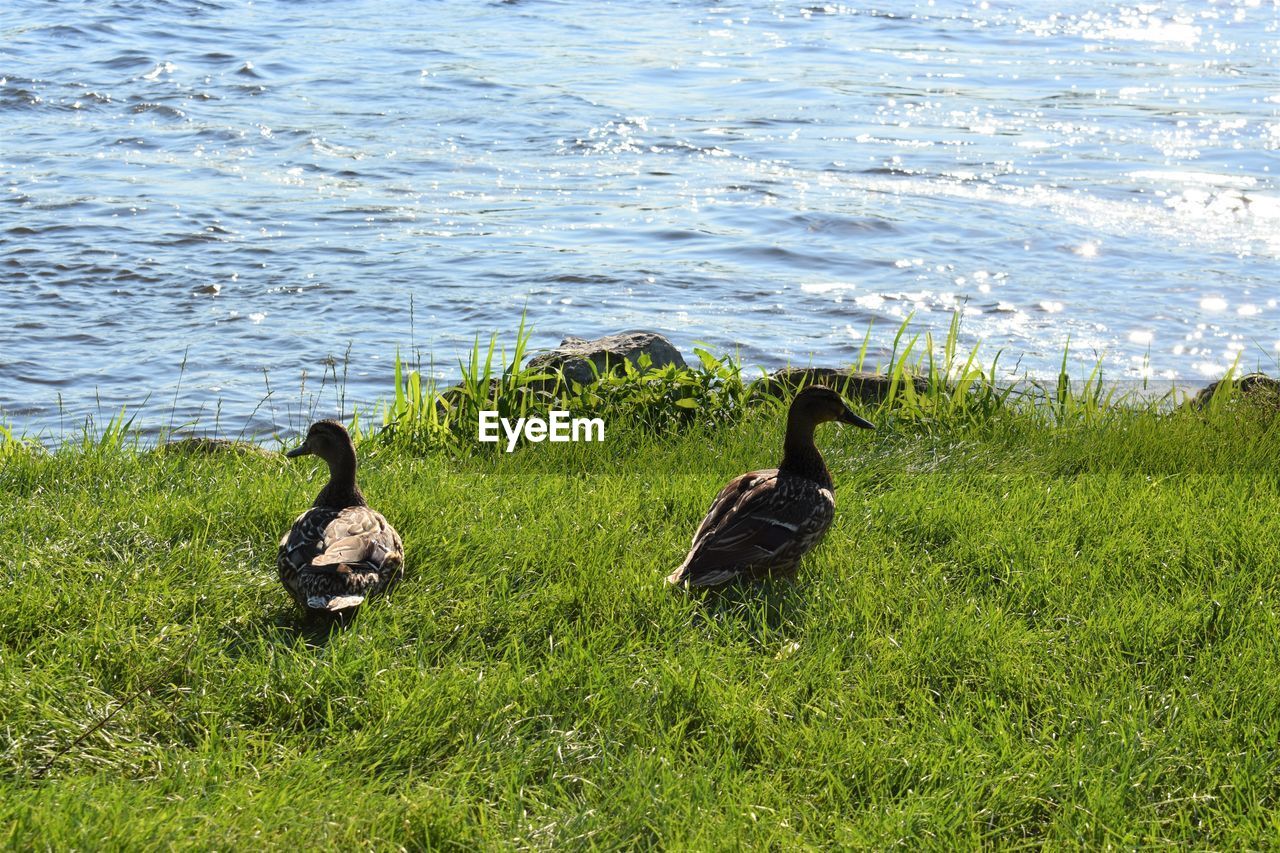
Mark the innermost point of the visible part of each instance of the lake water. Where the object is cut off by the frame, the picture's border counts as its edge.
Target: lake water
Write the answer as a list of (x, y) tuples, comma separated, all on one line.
[(260, 189)]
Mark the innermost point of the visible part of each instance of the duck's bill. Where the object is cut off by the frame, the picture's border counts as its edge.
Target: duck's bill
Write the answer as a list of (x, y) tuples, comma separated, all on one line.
[(850, 418), (301, 450)]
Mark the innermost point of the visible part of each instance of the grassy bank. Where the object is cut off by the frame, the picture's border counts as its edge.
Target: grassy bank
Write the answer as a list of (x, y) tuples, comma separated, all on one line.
[(1049, 622)]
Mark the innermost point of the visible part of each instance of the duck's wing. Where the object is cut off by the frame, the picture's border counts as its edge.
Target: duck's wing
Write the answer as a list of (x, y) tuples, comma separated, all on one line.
[(756, 524), (739, 492), (305, 539), (358, 537), (331, 559)]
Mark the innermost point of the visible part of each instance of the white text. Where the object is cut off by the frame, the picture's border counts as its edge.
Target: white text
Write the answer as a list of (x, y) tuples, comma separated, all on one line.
[(560, 427)]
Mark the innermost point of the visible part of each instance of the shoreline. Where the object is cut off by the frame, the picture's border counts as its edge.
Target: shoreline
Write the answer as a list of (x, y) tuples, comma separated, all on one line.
[(924, 369)]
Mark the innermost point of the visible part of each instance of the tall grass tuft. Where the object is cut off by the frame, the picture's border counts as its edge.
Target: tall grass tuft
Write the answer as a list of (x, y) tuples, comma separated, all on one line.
[(11, 445), (661, 400), (114, 436), (422, 417)]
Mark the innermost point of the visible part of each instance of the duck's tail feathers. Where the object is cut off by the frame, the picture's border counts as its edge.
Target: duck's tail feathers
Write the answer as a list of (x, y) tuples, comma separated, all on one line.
[(683, 577), (334, 603)]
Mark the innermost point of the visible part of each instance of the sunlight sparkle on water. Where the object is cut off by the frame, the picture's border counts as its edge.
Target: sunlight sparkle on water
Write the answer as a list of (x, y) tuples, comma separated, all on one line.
[(826, 287), (1140, 337), (1210, 369)]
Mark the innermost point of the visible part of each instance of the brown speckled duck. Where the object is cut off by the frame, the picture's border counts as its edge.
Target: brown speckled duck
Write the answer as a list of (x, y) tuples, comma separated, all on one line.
[(339, 551), (763, 522)]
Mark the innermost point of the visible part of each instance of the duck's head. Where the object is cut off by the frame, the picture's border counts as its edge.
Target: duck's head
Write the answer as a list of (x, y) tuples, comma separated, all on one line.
[(328, 440), (818, 404)]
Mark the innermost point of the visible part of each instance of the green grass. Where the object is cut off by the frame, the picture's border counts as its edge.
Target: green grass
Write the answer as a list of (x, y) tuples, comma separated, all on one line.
[(1037, 625)]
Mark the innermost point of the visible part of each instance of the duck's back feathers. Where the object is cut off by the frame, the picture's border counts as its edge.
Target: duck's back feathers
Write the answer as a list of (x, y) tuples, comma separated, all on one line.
[(761, 523), (332, 558)]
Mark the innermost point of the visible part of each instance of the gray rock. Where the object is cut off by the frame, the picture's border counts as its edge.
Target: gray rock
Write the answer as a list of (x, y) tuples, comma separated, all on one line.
[(1252, 387), (576, 355), (858, 384)]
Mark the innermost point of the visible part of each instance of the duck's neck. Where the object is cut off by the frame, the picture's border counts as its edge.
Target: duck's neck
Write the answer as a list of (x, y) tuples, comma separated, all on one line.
[(341, 491), (800, 456)]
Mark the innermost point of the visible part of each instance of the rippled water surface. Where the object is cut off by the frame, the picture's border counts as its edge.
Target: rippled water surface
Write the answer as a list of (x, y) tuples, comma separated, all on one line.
[(262, 189)]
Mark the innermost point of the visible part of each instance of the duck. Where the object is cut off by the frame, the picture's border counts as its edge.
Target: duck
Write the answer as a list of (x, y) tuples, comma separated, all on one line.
[(764, 521), (340, 551)]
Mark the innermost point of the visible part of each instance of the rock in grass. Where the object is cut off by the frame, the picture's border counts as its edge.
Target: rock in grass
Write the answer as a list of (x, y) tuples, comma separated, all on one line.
[(196, 445), (1254, 388), (859, 384), (575, 356)]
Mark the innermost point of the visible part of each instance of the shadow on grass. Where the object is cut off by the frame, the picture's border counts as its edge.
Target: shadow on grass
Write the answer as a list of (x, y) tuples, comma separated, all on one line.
[(761, 609), (287, 625)]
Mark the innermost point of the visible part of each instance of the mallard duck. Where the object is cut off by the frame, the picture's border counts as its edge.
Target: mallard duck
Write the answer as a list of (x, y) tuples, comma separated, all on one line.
[(339, 551), (763, 522)]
